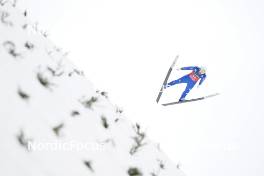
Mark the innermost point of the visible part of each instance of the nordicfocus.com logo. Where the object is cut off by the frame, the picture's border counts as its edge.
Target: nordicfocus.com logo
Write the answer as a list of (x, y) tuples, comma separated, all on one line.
[(65, 146)]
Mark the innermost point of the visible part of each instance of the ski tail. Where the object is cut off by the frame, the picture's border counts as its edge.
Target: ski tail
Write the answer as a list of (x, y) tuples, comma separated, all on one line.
[(191, 100), (166, 78)]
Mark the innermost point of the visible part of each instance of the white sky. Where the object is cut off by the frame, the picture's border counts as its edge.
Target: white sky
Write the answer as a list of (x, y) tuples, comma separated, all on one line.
[(125, 47)]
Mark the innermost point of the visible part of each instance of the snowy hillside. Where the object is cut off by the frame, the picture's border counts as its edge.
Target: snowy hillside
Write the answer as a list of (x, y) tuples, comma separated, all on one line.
[(53, 122)]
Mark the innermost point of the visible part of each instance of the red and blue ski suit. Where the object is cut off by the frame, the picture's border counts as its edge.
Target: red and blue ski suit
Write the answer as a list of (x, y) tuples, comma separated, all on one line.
[(191, 79)]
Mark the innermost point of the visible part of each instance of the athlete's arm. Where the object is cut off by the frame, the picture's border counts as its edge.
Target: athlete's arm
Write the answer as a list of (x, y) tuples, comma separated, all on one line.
[(202, 80), (189, 68)]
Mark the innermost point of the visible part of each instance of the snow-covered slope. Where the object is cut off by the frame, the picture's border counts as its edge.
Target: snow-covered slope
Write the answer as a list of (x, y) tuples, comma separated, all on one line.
[(53, 122)]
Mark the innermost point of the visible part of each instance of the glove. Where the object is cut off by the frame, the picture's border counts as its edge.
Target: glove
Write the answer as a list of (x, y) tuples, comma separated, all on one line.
[(178, 69)]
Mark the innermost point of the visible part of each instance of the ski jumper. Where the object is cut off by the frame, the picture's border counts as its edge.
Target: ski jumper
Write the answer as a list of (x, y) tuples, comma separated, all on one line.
[(191, 79)]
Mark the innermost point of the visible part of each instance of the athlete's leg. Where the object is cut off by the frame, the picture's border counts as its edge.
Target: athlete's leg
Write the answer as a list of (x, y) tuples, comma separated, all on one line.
[(183, 79), (188, 88)]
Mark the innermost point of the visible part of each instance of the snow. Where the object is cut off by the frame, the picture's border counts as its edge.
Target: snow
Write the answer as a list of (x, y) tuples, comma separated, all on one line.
[(134, 42), (45, 100)]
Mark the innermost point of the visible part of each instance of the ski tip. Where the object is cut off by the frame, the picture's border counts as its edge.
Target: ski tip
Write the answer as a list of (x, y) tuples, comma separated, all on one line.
[(212, 95), (174, 62), (216, 94)]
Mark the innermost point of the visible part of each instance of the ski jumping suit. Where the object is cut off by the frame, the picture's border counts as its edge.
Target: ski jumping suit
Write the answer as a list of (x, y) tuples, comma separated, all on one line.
[(191, 79)]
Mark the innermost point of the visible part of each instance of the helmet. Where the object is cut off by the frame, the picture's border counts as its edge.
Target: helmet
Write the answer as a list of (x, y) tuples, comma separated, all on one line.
[(203, 69)]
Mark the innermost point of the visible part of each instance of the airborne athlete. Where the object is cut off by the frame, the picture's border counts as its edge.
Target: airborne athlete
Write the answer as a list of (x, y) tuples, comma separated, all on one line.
[(198, 73)]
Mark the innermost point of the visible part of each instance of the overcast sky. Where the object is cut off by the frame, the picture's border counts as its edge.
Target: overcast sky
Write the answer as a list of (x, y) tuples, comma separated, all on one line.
[(125, 47)]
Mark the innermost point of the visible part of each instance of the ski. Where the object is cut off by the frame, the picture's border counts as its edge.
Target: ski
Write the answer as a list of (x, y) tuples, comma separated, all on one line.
[(191, 100), (166, 79)]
